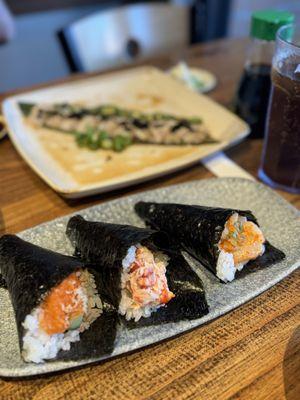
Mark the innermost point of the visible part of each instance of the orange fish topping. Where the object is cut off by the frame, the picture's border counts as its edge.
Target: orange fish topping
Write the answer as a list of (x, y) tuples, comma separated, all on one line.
[(244, 240), (148, 283), (61, 305)]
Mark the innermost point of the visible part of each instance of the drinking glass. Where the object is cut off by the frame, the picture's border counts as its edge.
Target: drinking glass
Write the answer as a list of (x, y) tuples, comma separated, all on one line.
[(280, 166)]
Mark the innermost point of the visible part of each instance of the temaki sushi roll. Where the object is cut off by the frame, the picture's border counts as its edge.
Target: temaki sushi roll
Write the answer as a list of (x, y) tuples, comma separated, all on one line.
[(142, 278), (56, 301), (223, 240)]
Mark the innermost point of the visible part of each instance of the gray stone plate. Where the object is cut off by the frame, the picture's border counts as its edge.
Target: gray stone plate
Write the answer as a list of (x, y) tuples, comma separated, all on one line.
[(278, 219)]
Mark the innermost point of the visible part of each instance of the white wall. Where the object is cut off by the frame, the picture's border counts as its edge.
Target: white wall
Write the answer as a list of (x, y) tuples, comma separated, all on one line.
[(34, 55), (241, 10), (239, 23)]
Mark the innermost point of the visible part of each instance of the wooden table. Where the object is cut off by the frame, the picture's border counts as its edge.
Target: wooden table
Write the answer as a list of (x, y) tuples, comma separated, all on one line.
[(252, 352)]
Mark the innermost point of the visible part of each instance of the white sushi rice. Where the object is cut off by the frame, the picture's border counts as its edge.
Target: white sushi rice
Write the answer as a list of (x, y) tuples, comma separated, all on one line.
[(127, 306), (129, 258), (226, 269), (39, 346)]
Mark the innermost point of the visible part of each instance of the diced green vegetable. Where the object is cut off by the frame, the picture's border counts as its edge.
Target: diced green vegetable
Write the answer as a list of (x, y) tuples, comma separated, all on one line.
[(123, 113), (75, 323), (103, 135), (120, 142), (107, 144), (94, 140), (195, 120), (81, 139), (135, 114), (108, 111), (164, 117), (93, 145)]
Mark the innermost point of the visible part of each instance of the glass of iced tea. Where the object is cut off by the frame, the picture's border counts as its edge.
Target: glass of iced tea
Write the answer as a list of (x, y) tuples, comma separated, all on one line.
[(280, 166)]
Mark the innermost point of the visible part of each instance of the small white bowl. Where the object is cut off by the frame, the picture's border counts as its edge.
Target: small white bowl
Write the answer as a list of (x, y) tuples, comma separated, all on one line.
[(183, 73)]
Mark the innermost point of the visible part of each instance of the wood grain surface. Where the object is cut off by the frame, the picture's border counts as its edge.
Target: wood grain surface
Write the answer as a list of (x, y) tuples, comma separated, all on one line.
[(250, 353)]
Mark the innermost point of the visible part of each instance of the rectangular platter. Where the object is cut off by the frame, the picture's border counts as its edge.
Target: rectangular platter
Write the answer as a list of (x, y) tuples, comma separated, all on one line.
[(76, 172), (278, 219)]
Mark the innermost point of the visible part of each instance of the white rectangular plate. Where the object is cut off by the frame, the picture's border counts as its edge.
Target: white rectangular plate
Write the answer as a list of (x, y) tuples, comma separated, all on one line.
[(278, 219), (76, 172)]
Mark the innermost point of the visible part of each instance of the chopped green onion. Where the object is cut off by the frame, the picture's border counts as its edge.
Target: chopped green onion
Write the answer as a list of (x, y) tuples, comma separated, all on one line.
[(195, 120), (107, 144), (93, 145), (76, 322), (108, 111), (164, 117), (135, 114), (81, 139), (120, 142), (234, 235), (123, 113)]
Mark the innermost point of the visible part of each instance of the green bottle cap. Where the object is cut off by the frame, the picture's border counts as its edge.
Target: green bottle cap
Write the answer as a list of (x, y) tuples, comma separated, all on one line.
[(265, 23)]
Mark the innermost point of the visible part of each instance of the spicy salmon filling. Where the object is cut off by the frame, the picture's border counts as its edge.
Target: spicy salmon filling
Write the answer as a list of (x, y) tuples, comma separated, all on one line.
[(64, 307), (144, 284), (241, 241), (66, 311)]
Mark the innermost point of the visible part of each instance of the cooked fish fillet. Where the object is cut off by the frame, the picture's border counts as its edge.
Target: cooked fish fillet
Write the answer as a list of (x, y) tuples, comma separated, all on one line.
[(157, 128)]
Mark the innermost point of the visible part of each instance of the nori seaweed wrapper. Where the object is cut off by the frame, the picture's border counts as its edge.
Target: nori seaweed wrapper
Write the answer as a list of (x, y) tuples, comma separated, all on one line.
[(198, 230), (105, 245), (2, 282), (30, 272)]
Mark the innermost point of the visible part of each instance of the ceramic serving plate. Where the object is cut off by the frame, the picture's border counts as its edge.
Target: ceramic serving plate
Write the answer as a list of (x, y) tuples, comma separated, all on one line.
[(76, 172), (278, 219)]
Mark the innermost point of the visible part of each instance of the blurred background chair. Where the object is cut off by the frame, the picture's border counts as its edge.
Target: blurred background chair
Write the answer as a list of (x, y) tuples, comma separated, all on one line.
[(7, 28), (125, 34), (35, 55)]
